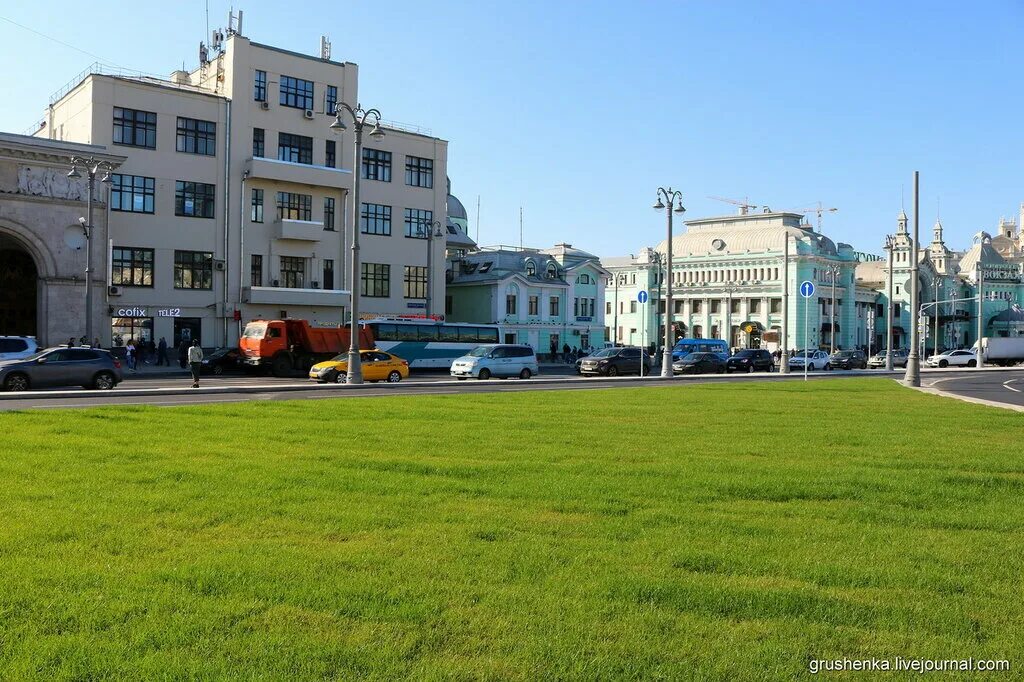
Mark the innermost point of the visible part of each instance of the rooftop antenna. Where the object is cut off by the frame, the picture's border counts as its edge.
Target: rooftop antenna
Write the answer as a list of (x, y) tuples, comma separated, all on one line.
[(478, 218), (520, 228), (207, 22), (325, 48)]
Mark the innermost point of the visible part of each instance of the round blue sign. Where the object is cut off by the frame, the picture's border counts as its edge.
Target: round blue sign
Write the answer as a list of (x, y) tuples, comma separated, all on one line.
[(806, 288), (642, 296)]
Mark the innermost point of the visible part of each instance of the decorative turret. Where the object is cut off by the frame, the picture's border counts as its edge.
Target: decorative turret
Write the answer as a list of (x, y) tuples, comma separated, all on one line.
[(901, 223)]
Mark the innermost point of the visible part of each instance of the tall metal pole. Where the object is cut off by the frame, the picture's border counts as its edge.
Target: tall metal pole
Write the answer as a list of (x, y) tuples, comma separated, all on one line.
[(889, 243), (833, 271), (913, 375), (673, 200), (657, 312), (784, 361), (935, 343), (980, 355), (88, 260), (430, 244)]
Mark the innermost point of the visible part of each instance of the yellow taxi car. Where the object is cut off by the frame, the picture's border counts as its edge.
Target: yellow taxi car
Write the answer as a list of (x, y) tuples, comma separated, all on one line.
[(377, 366)]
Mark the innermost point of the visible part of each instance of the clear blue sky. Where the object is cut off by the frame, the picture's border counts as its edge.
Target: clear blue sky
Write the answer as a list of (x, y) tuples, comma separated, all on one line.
[(578, 111)]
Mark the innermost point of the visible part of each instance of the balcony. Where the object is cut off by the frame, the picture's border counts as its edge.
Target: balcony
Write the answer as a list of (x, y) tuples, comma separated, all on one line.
[(304, 173), (303, 230), (293, 297)]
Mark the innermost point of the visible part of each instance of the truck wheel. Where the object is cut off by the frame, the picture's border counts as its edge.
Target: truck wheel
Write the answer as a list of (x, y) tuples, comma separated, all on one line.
[(281, 366)]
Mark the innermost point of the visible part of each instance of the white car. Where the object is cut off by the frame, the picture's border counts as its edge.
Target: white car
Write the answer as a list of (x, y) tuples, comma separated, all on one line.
[(17, 347), (953, 358), (815, 359)]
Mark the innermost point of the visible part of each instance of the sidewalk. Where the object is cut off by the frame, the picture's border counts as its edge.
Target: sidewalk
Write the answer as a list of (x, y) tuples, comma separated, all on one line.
[(145, 370)]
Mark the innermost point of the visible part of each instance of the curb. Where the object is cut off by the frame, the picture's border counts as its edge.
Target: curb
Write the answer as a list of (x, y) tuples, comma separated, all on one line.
[(967, 399)]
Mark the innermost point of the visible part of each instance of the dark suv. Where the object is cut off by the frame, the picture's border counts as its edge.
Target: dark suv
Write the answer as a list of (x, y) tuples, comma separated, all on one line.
[(849, 359), (615, 361), (86, 367), (750, 360)]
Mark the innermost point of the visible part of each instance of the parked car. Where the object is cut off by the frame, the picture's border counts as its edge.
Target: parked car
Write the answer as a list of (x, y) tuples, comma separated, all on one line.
[(615, 361), (699, 363), (376, 366), (17, 347), (814, 359), (220, 360), (496, 359), (750, 360), (849, 359), (899, 358), (86, 367), (954, 358)]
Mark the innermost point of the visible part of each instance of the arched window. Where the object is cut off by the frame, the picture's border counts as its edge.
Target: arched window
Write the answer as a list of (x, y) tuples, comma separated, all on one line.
[(552, 271), (584, 279), (531, 268)]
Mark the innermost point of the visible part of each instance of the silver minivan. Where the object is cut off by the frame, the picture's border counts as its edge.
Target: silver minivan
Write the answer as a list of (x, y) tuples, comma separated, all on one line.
[(496, 360)]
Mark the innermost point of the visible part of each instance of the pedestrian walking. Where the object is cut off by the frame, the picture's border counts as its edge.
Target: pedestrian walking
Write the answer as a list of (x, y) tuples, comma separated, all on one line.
[(183, 354), (71, 342), (96, 343), (195, 361), (131, 357), (161, 353)]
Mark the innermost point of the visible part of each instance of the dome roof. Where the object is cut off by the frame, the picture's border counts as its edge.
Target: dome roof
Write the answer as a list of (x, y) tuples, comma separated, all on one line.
[(741, 241), (455, 209), (982, 252)]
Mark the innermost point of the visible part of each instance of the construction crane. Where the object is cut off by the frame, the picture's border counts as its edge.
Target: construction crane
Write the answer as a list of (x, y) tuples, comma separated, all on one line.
[(745, 205), (819, 209)]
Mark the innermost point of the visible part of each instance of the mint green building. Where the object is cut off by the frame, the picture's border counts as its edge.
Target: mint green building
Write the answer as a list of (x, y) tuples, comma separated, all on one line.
[(546, 298)]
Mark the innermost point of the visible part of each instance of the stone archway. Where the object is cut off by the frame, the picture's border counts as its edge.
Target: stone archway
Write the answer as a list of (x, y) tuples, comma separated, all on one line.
[(19, 289)]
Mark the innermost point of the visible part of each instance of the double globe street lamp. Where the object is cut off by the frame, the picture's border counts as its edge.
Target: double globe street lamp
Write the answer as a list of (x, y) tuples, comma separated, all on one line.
[(430, 231), (360, 117), (91, 166), (671, 201)]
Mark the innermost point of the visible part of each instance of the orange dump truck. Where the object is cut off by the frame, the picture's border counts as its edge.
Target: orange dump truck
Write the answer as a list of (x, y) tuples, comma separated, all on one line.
[(293, 346)]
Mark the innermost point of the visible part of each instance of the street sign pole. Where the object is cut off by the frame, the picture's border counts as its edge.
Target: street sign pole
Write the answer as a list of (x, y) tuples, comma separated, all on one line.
[(806, 290), (643, 297)]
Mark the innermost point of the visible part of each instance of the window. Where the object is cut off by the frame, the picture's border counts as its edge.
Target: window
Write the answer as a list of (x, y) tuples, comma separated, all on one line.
[(296, 93), (376, 280), (533, 305), (257, 206), (694, 307), (134, 128), (375, 219), (195, 199), (197, 137), (193, 270), (329, 213), (418, 222), (259, 148), (734, 306), (293, 272), (632, 307), (531, 268), (755, 305), (608, 308), (415, 281), (331, 100), (552, 271), (295, 148), (715, 306), (419, 172), (448, 307), (259, 92), (330, 154), (584, 279), (376, 165), (131, 267), (775, 305), (132, 193), (256, 270), (291, 206), (328, 282), (510, 304), (553, 306)]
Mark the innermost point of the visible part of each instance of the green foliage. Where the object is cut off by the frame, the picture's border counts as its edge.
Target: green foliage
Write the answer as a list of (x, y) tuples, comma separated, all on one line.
[(715, 532)]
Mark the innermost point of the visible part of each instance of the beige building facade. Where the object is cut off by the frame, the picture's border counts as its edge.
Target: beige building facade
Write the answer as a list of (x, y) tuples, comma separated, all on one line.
[(234, 199)]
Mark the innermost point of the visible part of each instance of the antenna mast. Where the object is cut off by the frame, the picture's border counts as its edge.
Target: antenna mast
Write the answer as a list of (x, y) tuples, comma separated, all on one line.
[(520, 228), (478, 219)]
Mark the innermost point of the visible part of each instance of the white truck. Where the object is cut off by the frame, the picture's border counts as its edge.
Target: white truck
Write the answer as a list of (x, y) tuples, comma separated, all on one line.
[(1003, 351)]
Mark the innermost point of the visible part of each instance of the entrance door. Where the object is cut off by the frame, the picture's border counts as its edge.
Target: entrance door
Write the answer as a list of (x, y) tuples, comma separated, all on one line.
[(186, 329), (18, 281)]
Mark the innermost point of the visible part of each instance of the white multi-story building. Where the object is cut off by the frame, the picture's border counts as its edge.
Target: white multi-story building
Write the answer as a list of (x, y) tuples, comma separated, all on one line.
[(233, 201)]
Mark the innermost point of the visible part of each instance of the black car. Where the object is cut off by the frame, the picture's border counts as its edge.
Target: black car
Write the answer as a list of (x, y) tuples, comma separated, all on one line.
[(849, 359), (86, 367), (615, 361), (750, 360), (220, 360), (699, 363)]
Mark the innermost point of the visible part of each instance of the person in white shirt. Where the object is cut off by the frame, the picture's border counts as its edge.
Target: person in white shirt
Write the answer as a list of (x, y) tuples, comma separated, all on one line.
[(195, 361)]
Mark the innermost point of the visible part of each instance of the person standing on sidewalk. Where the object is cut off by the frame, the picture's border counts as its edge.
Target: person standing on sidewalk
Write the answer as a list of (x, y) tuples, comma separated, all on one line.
[(161, 353), (195, 361)]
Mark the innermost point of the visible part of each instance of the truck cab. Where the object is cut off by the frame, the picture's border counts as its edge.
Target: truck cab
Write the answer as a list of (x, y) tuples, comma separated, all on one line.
[(263, 339)]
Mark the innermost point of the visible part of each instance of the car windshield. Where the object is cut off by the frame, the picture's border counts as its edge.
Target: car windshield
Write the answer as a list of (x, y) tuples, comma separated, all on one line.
[(255, 331), (746, 354), (844, 354), (692, 357), (803, 353), (340, 357), (38, 354), (605, 352), (479, 352)]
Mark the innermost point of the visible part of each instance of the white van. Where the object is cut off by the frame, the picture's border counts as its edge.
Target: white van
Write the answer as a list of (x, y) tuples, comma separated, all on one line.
[(497, 360)]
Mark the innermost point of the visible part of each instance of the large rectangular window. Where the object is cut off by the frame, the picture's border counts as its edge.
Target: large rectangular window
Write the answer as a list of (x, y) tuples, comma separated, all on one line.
[(418, 222), (293, 272), (375, 219), (330, 155), (296, 92), (193, 270), (259, 92), (196, 136), (533, 305), (291, 206), (257, 206), (376, 280), (131, 267), (415, 281), (134, 128), (295, 148), (376, 165), (331, 100), (419, 172), (132, 193), (259, 147), (194, 199), (329, 213), (328, 282), (510, 304), (553, 306), (256, 270)]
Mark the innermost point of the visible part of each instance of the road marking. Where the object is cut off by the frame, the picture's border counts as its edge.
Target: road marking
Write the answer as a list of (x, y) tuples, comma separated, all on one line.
[(1006, 385)]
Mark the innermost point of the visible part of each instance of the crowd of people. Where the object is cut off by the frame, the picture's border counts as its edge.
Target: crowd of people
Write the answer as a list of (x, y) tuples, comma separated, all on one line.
[(146, 352)]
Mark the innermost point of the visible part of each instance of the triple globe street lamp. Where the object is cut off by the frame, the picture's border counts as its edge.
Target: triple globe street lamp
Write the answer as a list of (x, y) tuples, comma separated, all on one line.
[(670, 201), (91, 166)]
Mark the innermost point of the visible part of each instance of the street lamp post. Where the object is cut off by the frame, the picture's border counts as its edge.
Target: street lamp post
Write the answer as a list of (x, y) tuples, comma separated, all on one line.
[(91, 166), (890, 243), (729, 290), (935, 342), (658, 259), (833, 271), (980, 279), (673, 201), (871, 329), (784, 358), (360, 117), (913, 375), (430, 231)]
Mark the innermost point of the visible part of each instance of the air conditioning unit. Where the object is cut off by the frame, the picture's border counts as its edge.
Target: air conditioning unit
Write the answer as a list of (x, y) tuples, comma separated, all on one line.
[(315, 285), (276, 283), (308, 113), (114, 291), (265, 105), (219, 265)]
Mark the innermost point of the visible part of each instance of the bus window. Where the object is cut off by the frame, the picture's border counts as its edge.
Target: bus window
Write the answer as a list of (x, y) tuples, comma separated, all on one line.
[(406, 332), (384, 332), (426, 332), (449, 334), (468, 335), (487, 335)]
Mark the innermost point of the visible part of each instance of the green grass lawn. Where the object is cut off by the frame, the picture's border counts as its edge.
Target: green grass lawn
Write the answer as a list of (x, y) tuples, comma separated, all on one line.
[(713, 532)]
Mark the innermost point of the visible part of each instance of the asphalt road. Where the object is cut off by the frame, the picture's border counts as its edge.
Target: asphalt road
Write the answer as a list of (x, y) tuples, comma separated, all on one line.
[(1001, 386)]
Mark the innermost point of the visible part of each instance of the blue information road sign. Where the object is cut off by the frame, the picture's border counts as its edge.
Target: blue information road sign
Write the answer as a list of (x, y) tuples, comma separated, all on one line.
[(642, 296), (806, 289)]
